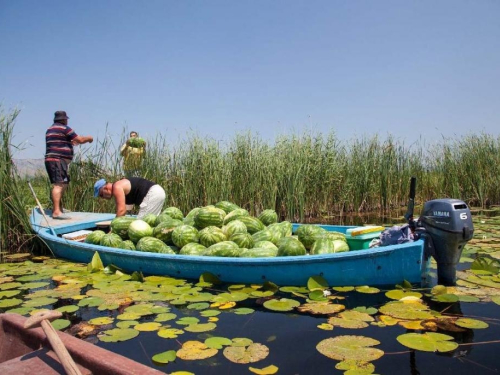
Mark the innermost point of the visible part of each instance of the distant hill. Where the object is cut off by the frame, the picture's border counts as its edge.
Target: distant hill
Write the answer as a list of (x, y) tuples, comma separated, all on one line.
[(29, 167)]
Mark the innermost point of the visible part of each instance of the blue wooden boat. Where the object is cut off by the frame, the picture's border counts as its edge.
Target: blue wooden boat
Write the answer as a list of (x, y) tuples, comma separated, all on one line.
[(387, 265)]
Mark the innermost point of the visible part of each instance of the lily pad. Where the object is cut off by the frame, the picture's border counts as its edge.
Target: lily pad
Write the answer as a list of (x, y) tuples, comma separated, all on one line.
[(170, 333), (101, 321), (471, 323), (428, 342), (321, 308), (397, 294), (203, 327), (147, 327), (269, 370), (165, 357), (194, 350), (217, 342), (357, 348), (317, 283), (283, 304), (118, 334), (246, 354), (243, 311), (355, 367)]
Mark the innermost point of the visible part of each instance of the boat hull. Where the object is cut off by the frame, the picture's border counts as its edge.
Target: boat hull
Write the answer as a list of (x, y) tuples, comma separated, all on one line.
[(378, 266)]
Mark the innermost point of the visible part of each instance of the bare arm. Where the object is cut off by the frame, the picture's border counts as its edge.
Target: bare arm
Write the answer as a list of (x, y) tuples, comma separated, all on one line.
[(80, 139), (119, 195)]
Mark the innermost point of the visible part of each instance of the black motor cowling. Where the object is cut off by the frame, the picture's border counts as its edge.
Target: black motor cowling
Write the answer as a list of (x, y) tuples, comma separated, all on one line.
[(448, 223)]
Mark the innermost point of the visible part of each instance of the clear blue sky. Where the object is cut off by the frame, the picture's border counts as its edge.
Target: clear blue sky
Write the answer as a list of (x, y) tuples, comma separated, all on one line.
[(408, 68)]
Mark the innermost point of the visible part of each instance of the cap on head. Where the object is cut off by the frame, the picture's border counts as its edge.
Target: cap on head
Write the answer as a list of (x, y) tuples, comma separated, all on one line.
[(98, 185), (60, 115)]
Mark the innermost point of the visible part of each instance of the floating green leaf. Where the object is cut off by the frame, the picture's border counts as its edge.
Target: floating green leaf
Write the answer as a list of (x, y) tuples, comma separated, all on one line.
[(202, 327), (210, 278), (10, 302), (283, 304), (471, 323), (101, 321), (246, 354), (317, 283), (322, 308), (193, 350), (60, 324), (397, 294), (217, 342), (269, 370), (428, 342), (147, 327), (118, 334), (170, 333), (165, 357), (95, 264), (243, 311), (357, 348)]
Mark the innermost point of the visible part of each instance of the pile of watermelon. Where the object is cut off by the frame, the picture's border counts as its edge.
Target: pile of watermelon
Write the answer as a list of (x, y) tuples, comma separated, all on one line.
[(222, 230)]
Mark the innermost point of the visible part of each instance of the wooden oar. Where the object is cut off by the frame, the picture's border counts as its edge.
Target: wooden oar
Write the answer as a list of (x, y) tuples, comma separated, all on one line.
[(41, 210), (43, 319)]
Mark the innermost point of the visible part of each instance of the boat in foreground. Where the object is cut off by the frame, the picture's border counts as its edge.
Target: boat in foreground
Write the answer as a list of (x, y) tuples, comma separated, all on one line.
[(28, 351), (388, 265)]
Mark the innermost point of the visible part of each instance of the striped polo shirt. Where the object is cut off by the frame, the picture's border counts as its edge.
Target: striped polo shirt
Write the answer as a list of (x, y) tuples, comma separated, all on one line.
[(58, 142)]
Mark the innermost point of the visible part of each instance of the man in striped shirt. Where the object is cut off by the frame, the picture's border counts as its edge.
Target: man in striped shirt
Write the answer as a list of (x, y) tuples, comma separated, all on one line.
[(59, 140)]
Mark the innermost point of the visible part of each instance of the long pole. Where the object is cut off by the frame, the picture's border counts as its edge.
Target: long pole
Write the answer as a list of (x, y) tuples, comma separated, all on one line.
[(41, 209)]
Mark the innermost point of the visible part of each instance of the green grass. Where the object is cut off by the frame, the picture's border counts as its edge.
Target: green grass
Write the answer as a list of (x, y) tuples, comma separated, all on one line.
[(301, 176)]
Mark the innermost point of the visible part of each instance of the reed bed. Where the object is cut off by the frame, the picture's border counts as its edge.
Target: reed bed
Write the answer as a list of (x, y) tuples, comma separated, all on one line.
[(302, 176)]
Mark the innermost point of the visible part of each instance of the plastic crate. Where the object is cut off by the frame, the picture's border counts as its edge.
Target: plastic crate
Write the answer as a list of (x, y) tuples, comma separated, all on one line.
[(362, 241)]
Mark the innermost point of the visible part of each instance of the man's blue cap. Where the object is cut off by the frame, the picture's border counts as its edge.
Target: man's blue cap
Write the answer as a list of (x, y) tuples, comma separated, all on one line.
[(98, 185)]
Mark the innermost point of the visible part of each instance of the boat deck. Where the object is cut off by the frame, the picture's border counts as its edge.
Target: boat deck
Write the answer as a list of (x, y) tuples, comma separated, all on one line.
[(75, 218)]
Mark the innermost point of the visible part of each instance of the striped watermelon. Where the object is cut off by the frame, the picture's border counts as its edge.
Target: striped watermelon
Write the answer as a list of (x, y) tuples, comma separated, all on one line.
[(127, 245), (211, 235), (226, 206), (96, 236), (163, 231), (222, 249), (252, 223), (289, 246), (243, 240), (138, 229), (174, 213), (192, 248), (184, 234), (153, 245), (258, 252), (120, 224), (235, 226), (268, 217), (235, 214), (209, 216), (111, 240)]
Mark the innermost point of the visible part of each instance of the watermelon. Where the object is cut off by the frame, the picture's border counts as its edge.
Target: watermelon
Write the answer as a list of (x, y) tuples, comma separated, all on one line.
[(111, 240), (289, 246), (120, 224), (127, 245), (266, 245), (222, 249), (322, 246), (153, 245), (332, 235), (226, 206), (150, 219), (307, 233), (184, 234), (252, 223), (95, 237), (340, 246), (192, 248), (161, 218), (258, 252), (189, 219), (209, 216), (235, 226), (174, 213), (211, 235), (163, 231), (138, 229), (136, 142), (242, 240), (268, 217), (235, 214)]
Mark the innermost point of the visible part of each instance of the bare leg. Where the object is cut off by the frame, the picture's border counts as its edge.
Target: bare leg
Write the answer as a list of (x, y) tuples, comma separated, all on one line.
[(57, 194)]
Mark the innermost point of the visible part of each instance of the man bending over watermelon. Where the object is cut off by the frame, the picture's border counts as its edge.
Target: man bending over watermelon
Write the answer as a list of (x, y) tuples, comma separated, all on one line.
[(131, 191)]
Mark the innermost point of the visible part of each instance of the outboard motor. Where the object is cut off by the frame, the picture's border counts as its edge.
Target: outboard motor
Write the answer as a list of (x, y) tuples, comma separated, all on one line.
[(448, 223)]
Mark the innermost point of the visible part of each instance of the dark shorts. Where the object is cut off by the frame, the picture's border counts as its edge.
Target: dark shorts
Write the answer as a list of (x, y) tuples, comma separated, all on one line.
[(57, 171)]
